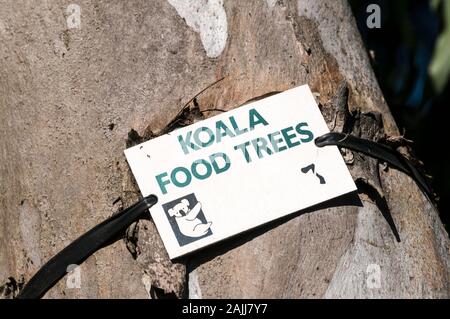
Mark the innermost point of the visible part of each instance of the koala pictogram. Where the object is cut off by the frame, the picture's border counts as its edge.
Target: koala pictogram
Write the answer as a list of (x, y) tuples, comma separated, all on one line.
[(188, 222)]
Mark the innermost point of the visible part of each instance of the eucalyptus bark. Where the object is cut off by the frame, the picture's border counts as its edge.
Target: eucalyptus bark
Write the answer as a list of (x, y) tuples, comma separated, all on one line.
[(74, 94)]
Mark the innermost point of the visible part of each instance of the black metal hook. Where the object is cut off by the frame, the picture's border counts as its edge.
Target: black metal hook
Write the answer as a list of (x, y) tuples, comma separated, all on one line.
[(83, 247), (378, 151)]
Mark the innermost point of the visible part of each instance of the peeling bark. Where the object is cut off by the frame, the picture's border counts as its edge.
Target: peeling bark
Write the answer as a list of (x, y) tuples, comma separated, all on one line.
[(72, 99)]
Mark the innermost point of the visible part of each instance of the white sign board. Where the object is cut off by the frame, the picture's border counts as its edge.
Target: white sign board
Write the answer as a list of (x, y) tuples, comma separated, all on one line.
[(238, 170)]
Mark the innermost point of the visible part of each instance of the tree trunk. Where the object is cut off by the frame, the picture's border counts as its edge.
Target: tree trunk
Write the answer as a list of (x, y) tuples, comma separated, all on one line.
[(74, 93)]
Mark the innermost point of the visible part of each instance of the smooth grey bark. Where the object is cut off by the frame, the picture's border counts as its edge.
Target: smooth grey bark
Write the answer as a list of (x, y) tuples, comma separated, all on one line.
[(73, 98)]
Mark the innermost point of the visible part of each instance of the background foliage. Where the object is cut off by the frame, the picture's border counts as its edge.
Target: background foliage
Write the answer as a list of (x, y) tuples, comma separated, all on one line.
[(411, 58)]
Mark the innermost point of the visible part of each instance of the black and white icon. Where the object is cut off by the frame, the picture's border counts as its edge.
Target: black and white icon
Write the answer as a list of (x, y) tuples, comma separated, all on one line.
[(187, 219), (312, 168)]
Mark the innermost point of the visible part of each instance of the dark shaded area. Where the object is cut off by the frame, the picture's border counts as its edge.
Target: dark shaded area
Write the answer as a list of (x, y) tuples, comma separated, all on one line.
[(11, 288), (382, 205), (159, 293), (401, 52)]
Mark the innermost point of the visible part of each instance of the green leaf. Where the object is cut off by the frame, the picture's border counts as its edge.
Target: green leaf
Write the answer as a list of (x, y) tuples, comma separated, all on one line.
[(435, 4), (439, 69)]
